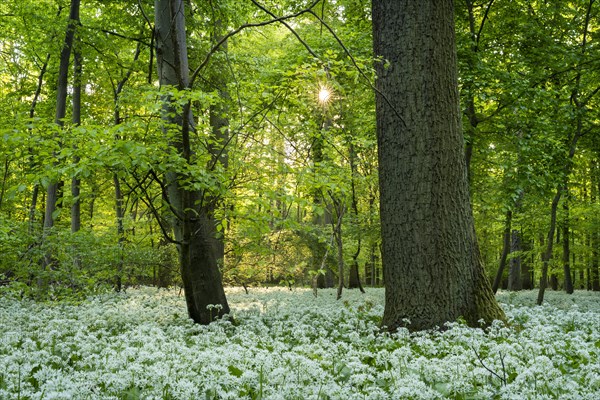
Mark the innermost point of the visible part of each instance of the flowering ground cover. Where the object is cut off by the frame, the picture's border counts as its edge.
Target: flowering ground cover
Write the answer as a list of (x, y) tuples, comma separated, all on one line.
[(291, 345)]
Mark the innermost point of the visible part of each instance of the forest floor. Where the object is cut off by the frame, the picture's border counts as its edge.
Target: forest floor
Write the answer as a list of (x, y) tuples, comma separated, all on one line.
[(291, 345)]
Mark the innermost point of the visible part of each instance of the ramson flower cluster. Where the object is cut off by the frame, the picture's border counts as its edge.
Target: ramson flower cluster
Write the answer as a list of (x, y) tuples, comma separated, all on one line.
[(292, 345)]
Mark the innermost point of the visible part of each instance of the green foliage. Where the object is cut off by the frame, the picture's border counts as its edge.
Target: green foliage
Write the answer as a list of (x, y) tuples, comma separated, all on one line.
[(524, 67)]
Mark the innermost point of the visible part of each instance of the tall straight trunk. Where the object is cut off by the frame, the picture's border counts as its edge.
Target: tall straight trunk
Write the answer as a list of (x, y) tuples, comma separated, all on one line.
[(193, 226), (32, 208), (526, 272), (579, 106), (61, 108), (337, 233), (594, 236), (319, 248), (217, 146), (4, 179), (566, 257), (432, 266), (354, 275), (547, 255), (76, 181), (34, 102), (514, 269), (505, 251), (120, 213), (373, 246), (119, 199), (473, 121)]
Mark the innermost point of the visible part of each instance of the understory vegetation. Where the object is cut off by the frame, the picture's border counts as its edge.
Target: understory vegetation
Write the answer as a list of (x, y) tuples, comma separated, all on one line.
[(281, 344)]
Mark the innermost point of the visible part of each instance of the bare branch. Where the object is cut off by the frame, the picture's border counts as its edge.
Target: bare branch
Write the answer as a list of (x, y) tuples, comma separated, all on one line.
[(216, 47), (290, 29), (358, 68)]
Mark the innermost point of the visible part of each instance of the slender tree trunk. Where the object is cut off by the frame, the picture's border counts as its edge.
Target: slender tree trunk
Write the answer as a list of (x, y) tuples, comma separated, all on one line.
[(193, 226), (354, 275), (61, 107), (579, 107), (337, 233), (76, 181), (505, 250), (120, 213), (217, 146), (119, 199), (514, 272), (432, 266), (319, 249), (4, 179), (526, 273), (594, 237), (566, 249), (34, 102), (33, 208), (547, 255)]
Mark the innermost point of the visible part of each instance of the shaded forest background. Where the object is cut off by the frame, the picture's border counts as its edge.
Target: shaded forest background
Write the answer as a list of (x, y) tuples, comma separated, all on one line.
[(290, 176)]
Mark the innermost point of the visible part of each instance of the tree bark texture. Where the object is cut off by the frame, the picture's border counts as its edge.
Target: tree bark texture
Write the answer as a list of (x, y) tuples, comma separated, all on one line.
[(204, 293), (432, 267)]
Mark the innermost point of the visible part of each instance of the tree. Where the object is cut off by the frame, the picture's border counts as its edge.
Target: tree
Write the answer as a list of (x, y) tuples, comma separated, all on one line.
[(191, 220), (61, 108), (432, 266)]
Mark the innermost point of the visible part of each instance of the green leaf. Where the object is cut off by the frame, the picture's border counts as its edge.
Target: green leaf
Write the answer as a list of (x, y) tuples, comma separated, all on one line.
[(235, 371)]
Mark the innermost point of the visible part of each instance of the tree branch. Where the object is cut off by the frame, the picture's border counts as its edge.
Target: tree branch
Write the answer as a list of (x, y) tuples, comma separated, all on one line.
[(358, 68), (216, 47), (289, 27)]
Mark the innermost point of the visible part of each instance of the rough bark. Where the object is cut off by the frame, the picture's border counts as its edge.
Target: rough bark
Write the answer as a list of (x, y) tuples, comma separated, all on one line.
[(432, 267), (204, 293)]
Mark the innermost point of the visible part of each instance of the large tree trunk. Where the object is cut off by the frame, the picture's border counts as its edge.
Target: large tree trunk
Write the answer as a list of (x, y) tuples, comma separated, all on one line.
[(194, 231), (432, 267)]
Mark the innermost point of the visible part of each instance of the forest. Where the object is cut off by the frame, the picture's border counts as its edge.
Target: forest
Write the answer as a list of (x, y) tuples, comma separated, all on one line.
[(317, 199)]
